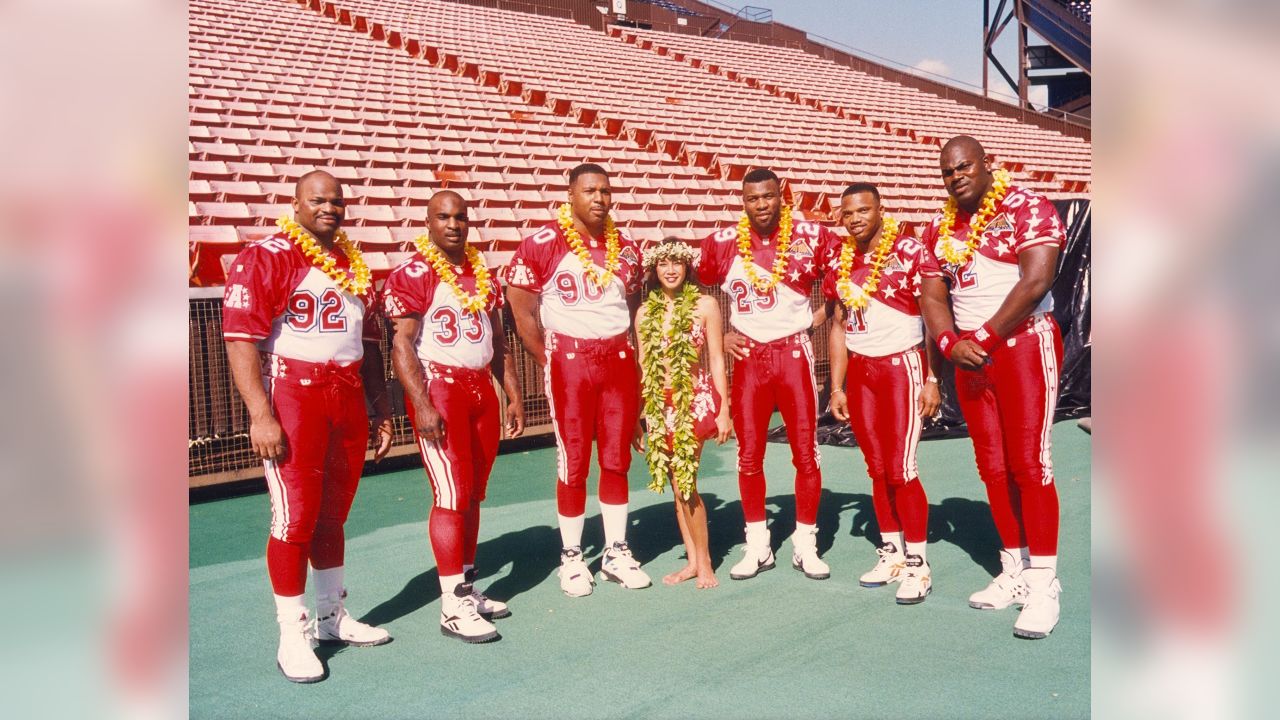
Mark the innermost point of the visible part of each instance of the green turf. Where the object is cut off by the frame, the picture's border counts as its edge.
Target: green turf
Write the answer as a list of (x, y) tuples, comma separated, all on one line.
[(779, 645)]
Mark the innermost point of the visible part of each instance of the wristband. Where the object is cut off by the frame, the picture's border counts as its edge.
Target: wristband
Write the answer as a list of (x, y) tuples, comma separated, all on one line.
[(946, 343), (986, 337)]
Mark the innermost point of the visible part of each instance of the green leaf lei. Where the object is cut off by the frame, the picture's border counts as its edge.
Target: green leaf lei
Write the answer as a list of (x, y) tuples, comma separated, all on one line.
[(676, 359)]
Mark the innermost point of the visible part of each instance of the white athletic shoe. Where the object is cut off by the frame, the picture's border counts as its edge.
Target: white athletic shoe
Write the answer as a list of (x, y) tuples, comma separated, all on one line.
[(296, 656), (917, 581), (488, 608), (805, 555), (888, 568), (757, 555), (1040, 612), (619, 566), (335, 625), (575, 577), (1007, 588), (459, 618)]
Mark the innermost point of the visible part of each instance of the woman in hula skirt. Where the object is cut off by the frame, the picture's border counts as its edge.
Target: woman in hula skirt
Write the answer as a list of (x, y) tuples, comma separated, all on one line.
[(683, 407)]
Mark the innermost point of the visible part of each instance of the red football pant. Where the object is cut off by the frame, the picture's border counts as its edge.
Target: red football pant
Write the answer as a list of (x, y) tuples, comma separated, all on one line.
[(458, 466), (327, 430), (884, 395), (1008, 406), (777, 376), (593, 388)]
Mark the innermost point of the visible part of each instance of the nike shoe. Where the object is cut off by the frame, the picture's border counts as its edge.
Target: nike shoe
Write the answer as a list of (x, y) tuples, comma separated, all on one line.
[(296, 656), (335, 625), (575, 577), (1007, 588), (1040, 612), (757, 554), (619, 566), (888, 568), (805, 554), (917, 581)]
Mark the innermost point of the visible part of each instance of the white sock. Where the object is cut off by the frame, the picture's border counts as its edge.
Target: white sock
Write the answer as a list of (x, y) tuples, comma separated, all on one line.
[(1044, 561), (571, 530), (328, 584), (805, 527), (449, 582), (757, 531), (289, 609), (615, 523), (917, 548), (893, 537)]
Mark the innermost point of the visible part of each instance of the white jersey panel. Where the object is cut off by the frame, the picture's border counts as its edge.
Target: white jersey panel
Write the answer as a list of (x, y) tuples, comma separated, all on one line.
[(764, 318), (573, 305), (320, 323), (453, 336), (879, 330)]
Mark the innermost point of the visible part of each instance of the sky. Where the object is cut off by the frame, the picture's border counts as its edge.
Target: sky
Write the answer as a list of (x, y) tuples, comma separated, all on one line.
[(938, 36)]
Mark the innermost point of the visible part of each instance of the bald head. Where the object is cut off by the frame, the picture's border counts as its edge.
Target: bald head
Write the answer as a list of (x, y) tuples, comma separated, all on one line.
[(966, 171), (318, 205), (447, 224)]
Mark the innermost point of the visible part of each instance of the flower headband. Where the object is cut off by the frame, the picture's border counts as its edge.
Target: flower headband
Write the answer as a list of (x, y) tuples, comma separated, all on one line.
[(669, 251)]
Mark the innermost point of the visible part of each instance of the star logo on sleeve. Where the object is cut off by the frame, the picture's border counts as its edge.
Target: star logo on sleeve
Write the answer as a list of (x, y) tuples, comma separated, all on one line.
[(237, 297), (794, 275)]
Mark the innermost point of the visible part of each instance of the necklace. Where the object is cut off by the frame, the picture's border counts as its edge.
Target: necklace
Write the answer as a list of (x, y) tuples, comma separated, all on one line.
[(472, 303), (357, 281), (855, 296), (954, 252)]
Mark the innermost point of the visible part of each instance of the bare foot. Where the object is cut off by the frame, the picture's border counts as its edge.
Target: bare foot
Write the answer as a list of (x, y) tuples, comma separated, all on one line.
[(679, 576), (707, 579)]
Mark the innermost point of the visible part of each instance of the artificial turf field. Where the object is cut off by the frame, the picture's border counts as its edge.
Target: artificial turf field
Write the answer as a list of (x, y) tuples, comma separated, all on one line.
[(776, 646)]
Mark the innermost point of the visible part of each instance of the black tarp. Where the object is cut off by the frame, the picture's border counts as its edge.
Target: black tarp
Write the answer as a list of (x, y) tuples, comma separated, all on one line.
[(1071, 298)]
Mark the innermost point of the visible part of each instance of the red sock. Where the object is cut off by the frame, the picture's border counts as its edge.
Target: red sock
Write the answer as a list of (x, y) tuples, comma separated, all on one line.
[(448, 536), (1040, 515), (913, 509), (751, 489), (613, 488), (1006, 511), (287, 566), (473, 534), (328, 544), (883, 501), (571, 500)]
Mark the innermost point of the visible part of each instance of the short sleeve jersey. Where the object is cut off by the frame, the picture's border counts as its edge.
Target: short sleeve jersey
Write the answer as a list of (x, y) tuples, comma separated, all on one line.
[(1023, 220), (890, 323), (572, 304), (277, 298), (450, 334), (785, 309)]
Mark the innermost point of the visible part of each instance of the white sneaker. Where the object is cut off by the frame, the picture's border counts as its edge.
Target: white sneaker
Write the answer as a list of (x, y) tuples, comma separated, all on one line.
[(805, 555), (575, 577), (335, 625), (1040, 612), (888, 568), (488, 608), (757, 555), (296, 656), (459, 619), (1007, 588), (619, 566), (917, 581)]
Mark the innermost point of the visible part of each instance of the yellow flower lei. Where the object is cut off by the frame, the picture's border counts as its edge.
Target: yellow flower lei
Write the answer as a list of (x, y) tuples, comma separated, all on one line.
[(472, 303), (855, 297), (670, 364), (779, 261), (953, 253), (357, 281), (612, 246)]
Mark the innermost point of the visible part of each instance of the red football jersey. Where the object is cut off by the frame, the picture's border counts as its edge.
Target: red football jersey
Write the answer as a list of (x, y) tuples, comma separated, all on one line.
[(785, 309), (571, 302), (890, 323), (451, 335), (276, 297), (1022, 220)]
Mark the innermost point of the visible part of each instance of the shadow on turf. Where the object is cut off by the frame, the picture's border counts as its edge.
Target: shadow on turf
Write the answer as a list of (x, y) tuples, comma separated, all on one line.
[(534, 553)]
